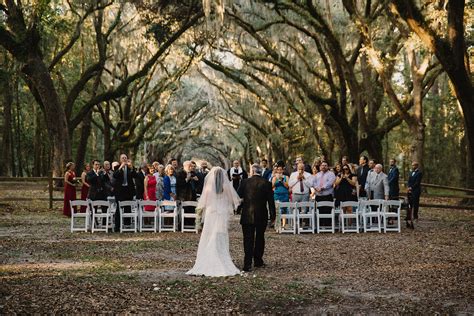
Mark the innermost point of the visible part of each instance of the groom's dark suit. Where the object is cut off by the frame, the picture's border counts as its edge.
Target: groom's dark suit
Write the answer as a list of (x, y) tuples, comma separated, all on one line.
[(256, 193)]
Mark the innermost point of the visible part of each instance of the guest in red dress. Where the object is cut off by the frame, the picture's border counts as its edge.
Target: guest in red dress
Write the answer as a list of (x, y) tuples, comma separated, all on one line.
[(150, 188), (85, 185), (69, 187)]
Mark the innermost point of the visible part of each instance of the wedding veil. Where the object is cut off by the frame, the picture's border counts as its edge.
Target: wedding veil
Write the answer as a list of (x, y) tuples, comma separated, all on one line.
[(217, 190)]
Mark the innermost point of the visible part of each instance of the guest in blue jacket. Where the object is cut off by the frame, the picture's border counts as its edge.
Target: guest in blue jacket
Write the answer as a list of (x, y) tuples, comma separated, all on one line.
[(413, 192)]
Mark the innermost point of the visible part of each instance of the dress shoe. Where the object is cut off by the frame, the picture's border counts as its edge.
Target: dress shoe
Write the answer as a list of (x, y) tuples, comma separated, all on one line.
[(262, 265), (247, 269)]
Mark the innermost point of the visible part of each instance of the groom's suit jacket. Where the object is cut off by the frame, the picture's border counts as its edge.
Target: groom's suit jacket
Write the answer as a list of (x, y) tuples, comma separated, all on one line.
[(256, 193)]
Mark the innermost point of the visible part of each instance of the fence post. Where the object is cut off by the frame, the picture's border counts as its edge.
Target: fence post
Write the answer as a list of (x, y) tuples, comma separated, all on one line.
[(50, 189)]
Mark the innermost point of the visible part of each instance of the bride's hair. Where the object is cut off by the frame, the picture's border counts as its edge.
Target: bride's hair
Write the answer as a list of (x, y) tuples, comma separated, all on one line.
[(219, 181)]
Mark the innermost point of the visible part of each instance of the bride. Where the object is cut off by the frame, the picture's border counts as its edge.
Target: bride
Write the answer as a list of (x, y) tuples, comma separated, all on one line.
[(217, 203)]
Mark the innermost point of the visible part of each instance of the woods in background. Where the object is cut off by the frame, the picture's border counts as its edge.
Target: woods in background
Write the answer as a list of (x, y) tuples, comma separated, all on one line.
[(249, 79)]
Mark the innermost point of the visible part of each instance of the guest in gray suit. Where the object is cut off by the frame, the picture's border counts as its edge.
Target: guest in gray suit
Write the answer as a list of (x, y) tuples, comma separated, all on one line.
[(377, 184)]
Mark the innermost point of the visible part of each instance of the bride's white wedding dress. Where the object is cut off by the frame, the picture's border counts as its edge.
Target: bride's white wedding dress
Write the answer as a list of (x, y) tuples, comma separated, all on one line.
[(218, 202)]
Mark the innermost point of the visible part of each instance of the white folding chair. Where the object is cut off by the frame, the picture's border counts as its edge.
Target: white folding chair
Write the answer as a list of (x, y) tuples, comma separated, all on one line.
[(319, 216), (391, 209), (188, 228), (143, 214), (305, 212), (100, 211), (371, 210), (354, 216), (165, 213), (75, 215), (289, 216), (132, 214)]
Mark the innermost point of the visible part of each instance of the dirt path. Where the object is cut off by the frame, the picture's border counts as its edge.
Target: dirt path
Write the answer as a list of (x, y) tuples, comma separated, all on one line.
[(45, 269)]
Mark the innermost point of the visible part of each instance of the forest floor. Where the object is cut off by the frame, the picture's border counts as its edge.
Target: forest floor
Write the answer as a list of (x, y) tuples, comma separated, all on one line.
[(46, 269)]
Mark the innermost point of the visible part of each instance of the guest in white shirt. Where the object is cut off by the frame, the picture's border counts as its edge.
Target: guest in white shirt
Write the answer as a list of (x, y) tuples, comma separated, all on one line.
[(323, 184), (300, 184)]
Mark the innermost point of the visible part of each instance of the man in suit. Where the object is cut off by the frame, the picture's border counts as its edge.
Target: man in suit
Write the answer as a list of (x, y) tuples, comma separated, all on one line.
[(97, 179), (140, 181), (362, 173), (125, 188), (377, 185), (266, 172), (256, 193), (393, 177), (414, 192)]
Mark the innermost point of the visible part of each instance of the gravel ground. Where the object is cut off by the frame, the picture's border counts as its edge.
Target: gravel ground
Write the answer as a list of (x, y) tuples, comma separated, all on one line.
[(46, 269)]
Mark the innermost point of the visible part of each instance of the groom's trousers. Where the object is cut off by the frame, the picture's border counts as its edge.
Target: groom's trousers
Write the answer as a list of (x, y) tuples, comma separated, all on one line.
[(254, 244)]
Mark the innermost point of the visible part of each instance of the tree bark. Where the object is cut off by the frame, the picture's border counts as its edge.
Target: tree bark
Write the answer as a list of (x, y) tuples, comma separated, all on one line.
[(451, 53), (55, 117), (83, 141), (5, 167)]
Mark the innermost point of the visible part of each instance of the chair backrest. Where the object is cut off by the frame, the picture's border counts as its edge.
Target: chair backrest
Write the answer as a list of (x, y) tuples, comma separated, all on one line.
[(286, 204), (371, 202), (325, 204), (79, 203), (189, 203), (300, 205), (100, 203), (350, 204), (127, 204), (396, 203), (148, 203), (168, 203)]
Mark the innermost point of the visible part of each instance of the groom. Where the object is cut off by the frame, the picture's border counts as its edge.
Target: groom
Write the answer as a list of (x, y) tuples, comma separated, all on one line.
[(256, 192)]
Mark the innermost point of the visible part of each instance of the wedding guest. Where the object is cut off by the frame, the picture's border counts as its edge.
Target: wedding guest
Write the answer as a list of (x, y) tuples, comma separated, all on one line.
[(85, 185), (69, 188), (393, 178), (175, 164), (97, 179), (140, 180), (280, 188), (337, 168), (298, 160), (109, 190), (414, 192), (323, 184), (201, 174), (266, 171), (159, 176), (149, 186), (300, 183), (345, 188), (315, 169), (186, 182), (377, 184), (125, 188), (362, 173), (344, 160), (169, 184)]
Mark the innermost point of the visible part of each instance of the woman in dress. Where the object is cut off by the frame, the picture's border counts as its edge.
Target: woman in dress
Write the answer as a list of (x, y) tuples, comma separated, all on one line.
[(150, 188), (217, 203), (85, 185), (281, 191), (69, 188), (169, 186), (345, 188)]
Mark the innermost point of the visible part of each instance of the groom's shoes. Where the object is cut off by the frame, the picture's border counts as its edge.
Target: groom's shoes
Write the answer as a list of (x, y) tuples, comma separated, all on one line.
[(247, 269), (262, 265)]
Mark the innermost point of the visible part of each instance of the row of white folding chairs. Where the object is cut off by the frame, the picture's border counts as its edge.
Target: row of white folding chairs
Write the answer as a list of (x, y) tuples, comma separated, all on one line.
[(163, 211), (305, 217)]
